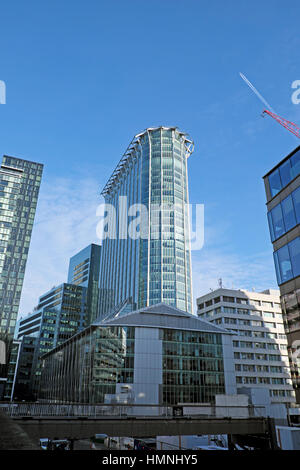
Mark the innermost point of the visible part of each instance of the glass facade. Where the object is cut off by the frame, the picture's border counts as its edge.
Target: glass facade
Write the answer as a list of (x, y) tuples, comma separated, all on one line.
[(19, 188), (287, 261), (91, 364), (156, 266), (285, 216), (60, 314), (284, 174), (193, 370), (84, 270), (282, 218)]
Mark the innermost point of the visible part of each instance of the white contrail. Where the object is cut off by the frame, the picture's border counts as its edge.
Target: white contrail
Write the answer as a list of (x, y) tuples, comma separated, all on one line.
[(257, 93)]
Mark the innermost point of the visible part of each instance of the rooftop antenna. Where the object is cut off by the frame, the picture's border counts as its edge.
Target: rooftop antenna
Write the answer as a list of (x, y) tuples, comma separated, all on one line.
[(220, 282), (290, 126)]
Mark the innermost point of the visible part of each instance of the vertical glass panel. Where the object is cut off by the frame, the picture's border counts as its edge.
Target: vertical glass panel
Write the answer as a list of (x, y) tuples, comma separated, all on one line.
[(271, 226), (277, 219), (284, 264), (296, 200), (295, 164), (294, 249), (285, 173), (275, 183), (288, 213)]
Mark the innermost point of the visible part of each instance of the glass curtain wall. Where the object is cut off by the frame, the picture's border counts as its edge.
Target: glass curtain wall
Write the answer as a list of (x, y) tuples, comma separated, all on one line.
[(155, 267)]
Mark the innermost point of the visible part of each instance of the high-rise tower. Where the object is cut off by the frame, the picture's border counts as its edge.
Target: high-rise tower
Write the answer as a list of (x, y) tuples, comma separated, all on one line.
[(19, 188), (148, 188)]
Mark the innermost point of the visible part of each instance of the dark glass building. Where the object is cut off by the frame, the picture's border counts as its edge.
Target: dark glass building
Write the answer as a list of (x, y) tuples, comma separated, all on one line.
[(282, 185), (84, 270), (19, 188), (59, 315)]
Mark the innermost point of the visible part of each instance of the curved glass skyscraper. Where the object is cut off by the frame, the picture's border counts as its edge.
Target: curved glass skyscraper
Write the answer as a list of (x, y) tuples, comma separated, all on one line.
[(146, 246)]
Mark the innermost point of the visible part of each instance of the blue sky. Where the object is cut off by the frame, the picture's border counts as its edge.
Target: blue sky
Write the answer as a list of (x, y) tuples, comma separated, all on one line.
[(83, 77)]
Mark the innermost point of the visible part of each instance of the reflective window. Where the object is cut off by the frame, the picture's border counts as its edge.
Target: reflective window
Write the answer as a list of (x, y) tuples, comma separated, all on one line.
[(288, 213), (284, 264), (277, 220), (294, 248), (296, 200), (275, 183), (285, 215), (287, 261), (287, 171), (295, 164)]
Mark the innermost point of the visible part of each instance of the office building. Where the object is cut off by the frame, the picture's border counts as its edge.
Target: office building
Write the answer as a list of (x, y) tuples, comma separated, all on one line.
[(157, 355), (155, 265), (259, 341), (282, 185), (59, 315), (19, 188), (84, 270)]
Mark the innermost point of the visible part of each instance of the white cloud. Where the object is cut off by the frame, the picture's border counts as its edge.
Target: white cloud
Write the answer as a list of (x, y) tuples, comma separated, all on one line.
[(65, 223), (238, 272)]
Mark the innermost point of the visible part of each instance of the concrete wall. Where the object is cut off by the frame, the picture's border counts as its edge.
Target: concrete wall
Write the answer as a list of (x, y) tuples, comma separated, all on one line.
[(230, 381), (147, 366)]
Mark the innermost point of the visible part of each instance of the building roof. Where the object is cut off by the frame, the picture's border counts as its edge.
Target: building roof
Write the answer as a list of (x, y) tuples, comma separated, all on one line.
[(131, 149), (282, 161), (156, 316), (163, 316)]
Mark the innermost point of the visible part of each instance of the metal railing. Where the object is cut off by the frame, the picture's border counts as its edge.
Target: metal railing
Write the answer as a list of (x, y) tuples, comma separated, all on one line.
[(125, 410)]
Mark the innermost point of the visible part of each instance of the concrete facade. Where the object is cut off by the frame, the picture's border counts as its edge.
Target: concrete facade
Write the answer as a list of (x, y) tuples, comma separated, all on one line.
[(259, 341)]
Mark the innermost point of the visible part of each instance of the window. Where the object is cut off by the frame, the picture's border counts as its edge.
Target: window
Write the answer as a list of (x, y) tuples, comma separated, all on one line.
[(229, 310), (249, 380), (274, 182), (243, 311), (228, 299), (276, 221), (245, 344), (287, 171), (242, 301), (294, 249), (267, 304), (248, 368), (285, 215), (296, 200), (283, 265), (263, 380), (270, 325), (288, 213), (269, 314)]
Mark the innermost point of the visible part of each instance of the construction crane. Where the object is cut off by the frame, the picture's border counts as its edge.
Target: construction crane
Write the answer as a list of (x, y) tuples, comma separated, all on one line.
[(290, 126)]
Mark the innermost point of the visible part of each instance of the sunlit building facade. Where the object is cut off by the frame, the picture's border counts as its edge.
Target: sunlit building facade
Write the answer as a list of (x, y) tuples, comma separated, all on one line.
[(19, 189), (154, 266), (159, 355), (83, 271), (259, 341), (282, 185)]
